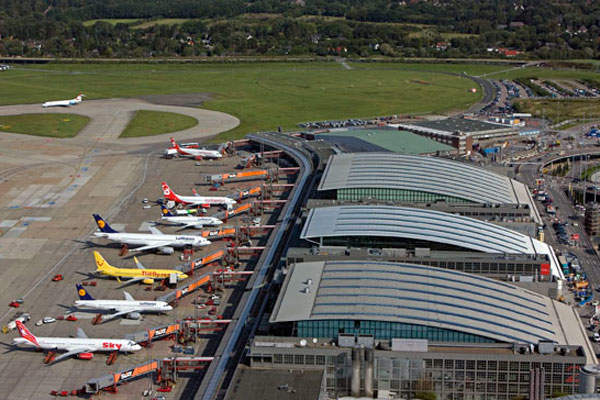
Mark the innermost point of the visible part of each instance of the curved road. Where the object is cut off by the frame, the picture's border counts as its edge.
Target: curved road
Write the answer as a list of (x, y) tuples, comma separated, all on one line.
[(109, 118)]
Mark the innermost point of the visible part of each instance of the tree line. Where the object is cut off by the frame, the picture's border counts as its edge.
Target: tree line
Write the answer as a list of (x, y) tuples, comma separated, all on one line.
[(441, 28)]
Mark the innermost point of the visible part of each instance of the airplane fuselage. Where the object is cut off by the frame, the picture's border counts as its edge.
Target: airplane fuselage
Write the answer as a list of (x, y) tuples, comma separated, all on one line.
[(210, 200), (117, 305), (58, 343), (147, 239), (189, 219), (204, 153)]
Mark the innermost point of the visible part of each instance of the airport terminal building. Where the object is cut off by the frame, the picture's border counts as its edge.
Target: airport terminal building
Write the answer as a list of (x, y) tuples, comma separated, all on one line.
[(401, 330), (408, 179)]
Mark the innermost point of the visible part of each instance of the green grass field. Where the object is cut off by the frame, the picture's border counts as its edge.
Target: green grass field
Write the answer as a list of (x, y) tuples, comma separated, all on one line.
[(115, 21), (262, 95), (52, 125), (162, 21), (148, 123), (561, 110)]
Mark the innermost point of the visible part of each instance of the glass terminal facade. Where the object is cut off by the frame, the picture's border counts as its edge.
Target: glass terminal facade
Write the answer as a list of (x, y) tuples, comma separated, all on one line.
[(330, 329), (386, 194)]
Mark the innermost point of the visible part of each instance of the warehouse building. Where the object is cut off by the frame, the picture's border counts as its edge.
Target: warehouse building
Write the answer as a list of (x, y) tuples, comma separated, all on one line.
[(383, 227), (426, 180)]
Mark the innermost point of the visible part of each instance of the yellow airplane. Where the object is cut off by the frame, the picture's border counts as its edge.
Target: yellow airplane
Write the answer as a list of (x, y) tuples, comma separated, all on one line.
[(147, 276)]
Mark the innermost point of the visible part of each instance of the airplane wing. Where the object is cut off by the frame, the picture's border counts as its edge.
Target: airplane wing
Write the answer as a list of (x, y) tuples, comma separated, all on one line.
[(155, 230), (128, 296), (81, 334), (196, 225), (118, 314), (134, 280), (71, 351), (152, 246)]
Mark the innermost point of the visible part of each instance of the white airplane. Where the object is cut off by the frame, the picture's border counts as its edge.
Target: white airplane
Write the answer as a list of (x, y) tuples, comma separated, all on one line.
[(188, 221), (82, 346), (203, 201), (65, 103), (129, 307), (195, 152), (148, 241)]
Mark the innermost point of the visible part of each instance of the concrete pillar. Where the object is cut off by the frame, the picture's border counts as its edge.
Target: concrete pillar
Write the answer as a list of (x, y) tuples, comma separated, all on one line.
[(369, 360), (355, 380)]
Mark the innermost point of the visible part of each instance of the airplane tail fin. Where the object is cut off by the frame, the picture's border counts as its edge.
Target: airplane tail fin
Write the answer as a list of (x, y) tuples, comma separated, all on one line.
[(168, 193), (174, 144), (165, 211), (103, 225), (83, 294), (101, 264), (25, 334)]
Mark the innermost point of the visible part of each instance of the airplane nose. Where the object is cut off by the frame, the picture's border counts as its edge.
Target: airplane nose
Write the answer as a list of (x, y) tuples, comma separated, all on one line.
[(136, 347), (168, 308)]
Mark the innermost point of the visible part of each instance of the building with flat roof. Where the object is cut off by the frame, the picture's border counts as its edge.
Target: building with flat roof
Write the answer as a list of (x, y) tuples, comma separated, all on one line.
[(418, 179), (273, 384), (460, 133), (410, 228), (409, 369), (397, 300)]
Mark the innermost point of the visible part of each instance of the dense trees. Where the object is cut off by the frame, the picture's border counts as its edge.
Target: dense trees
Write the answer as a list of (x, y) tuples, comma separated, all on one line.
[(441, 28)]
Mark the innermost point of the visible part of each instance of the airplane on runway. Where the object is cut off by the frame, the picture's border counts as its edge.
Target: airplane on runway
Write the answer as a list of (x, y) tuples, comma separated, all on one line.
[(129, 307), (82, 346), (145, 275), (203, 201), (65, 103), (188, 221), (148, 241), (195, 152)]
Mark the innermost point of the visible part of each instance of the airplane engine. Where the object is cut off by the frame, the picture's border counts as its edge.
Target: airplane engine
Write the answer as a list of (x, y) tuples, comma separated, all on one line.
[(134, 315), (85, 356), (148, 281), (166, 250)]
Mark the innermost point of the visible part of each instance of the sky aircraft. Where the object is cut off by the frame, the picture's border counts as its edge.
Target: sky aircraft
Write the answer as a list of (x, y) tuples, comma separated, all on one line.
[(129, 307), (148, 241), (146, 275), (196, 200), (195, 152), (65, 103), (82, 346), (188, 221)]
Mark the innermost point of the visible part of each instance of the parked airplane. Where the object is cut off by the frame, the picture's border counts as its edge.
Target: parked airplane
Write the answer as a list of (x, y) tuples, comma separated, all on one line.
[(82, 346), (146, 275), (65, 103), (129, 307), (188, 221), (203, 201), (148, 241), (195, 152)]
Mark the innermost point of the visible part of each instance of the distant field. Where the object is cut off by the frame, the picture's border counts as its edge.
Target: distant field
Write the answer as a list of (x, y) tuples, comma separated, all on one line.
[(148, 123), (561, 110), (52, 125), (111, 21), (263, 96), (162, 21)]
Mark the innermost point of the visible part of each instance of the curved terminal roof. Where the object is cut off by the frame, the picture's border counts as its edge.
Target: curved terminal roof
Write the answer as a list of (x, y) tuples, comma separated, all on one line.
[(418, 294), (417, 173), (421, 224)]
